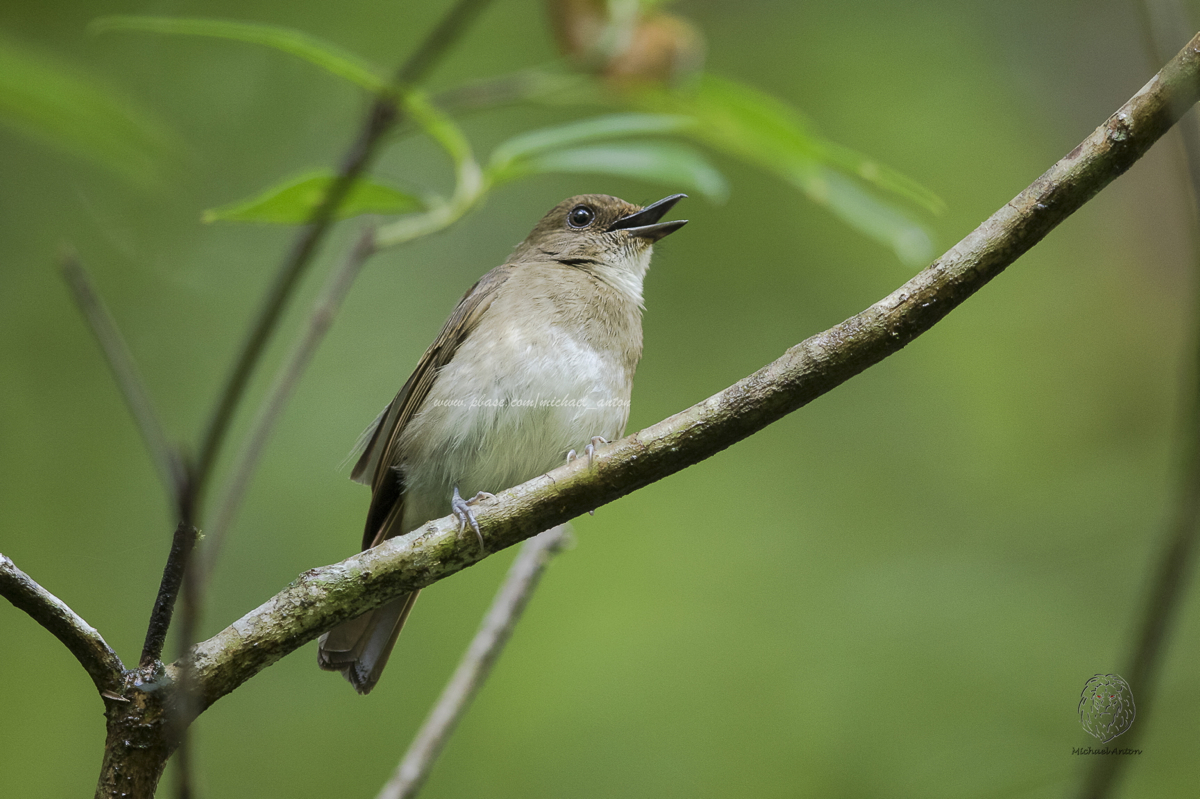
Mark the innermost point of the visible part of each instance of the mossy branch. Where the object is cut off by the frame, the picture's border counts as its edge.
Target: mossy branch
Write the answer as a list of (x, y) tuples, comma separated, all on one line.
[(321, 598)]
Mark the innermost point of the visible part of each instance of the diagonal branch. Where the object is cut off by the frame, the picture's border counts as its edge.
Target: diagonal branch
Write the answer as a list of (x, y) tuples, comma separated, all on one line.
[(321, 598), (168, 591), (125, 374), (88, 647), (476, 663), (285, 382)]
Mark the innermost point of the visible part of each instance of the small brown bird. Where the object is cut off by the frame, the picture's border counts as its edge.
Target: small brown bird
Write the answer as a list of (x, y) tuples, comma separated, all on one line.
[(536, 363)]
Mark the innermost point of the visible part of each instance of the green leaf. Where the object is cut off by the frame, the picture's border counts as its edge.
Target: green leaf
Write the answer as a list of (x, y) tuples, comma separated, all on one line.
[(326, 55), (606, 127), (675, 165), (762, 130), (879, 220), (439, 126), (754, 125), (47, 100), (293, 201)]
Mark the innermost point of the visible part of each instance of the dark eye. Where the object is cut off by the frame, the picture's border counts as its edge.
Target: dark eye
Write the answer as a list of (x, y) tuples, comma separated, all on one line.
[(581, 216)]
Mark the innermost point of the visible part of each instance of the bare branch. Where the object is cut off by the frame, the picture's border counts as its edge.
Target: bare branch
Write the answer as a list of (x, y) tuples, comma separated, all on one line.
[(381, 118), (168, 590), (321, 598), (88, 647), (125, 373), (1169, 577), (476, 664), (319, 320)]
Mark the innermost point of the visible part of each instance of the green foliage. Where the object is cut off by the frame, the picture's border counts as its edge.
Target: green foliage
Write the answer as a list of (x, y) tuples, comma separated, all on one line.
[(550, 150), (761, 130), (49, 101), (661, 162), (718, 112), (586, 130), (325, 55), (293, 201)]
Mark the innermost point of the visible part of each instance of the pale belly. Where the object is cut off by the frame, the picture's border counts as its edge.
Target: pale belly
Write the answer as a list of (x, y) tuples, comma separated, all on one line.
[(485, 429)]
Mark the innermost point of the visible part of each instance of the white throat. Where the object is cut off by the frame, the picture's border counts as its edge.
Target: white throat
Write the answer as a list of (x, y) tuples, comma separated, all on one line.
[(628, 273)]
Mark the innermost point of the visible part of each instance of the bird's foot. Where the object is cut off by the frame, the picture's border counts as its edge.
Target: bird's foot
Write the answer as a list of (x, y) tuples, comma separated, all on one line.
[(589, 451), (462, 509)]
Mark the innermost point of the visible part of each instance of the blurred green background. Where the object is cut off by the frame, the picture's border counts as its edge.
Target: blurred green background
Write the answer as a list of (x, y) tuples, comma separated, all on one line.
[(898, 591)]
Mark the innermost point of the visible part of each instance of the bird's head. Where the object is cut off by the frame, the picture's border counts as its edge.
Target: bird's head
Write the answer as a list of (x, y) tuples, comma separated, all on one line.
[(603, 235)]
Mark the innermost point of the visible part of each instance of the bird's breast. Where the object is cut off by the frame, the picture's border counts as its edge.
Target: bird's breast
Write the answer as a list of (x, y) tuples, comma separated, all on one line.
[(510, 406)]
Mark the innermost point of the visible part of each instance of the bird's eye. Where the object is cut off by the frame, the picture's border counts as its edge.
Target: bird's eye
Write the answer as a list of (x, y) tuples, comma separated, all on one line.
[(581, 216)]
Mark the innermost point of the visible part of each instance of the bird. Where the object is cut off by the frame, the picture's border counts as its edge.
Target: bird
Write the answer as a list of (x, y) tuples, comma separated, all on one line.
[(534, 365)]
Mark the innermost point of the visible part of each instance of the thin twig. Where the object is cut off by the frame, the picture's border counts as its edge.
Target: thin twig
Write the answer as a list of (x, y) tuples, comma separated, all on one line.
[(281, 390), (1171, 573), (185, 708), (168, 591), (381, 118), (476, 663), (322, 598), (125, 373), (80, 638)]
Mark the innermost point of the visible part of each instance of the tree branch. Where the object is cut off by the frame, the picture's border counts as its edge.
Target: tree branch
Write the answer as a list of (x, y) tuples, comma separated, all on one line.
[(319, 320), (321, 598), (168, 591), (1167, 584), (88, 647), (476, 664), (125, 374)]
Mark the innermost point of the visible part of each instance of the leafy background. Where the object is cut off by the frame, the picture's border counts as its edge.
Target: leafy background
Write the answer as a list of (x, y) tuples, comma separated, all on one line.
[(899, 590)]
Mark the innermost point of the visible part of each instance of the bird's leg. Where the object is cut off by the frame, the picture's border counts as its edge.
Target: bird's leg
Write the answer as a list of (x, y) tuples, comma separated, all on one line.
[(462, 509)]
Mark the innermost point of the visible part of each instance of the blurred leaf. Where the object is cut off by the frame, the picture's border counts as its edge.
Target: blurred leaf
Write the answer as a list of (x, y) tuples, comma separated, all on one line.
[(293, 201), (675, 165), (326, 55), (439, 126), (605, 127), (880, 220), (762, 130), (52, 102), (740, 118)]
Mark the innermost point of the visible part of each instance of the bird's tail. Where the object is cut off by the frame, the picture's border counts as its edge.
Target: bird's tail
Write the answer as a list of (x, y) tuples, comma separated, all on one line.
[(359, 648)]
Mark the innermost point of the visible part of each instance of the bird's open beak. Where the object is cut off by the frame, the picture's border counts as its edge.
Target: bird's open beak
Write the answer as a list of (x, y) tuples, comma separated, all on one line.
[(643, 223)]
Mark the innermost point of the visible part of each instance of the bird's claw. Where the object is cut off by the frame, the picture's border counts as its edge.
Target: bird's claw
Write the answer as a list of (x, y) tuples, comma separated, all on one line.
[(462, 509), (589, 451)]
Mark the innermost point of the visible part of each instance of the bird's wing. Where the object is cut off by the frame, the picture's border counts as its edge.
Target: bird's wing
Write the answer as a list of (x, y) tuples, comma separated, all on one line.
[(382, 451)]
